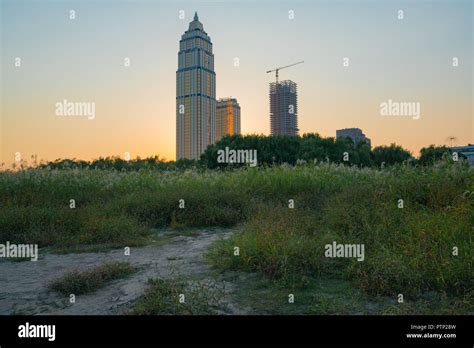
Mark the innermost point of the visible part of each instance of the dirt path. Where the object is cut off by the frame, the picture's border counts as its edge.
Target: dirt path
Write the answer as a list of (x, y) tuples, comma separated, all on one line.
[(23, 285)]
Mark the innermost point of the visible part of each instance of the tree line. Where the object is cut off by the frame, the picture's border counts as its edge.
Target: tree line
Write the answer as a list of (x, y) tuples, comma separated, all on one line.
[(274, 150), (312, 147)]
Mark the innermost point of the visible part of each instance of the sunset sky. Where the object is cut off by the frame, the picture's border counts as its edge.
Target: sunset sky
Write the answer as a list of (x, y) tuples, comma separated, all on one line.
[(408, 60)]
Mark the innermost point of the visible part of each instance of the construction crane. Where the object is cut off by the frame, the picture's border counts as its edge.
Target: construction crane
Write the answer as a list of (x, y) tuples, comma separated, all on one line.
[(283, 67)]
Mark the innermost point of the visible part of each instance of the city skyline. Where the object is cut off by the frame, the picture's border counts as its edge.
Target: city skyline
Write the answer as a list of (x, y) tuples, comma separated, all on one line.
[(135, 111)]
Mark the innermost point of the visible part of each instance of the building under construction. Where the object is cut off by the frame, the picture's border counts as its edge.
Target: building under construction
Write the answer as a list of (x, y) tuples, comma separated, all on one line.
[(283, 108), (227, 118)]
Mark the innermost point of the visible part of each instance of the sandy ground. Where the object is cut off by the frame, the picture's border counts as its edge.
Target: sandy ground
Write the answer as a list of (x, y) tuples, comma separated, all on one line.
[(23, 285)]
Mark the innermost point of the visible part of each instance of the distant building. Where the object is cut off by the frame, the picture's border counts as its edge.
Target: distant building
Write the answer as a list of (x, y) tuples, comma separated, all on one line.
[(467, 151), (283, 108), (195, 92), (354, 133), (227, 118)]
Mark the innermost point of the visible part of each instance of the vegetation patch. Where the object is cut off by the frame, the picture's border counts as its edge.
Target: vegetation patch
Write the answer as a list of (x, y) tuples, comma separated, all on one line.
[(336, 296), (416, 222), (421, 244), (178, 297), (83, 282)]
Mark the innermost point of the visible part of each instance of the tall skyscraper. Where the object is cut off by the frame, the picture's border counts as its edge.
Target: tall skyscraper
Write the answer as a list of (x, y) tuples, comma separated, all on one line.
[(227, 117), (283, 108), (195, 92)]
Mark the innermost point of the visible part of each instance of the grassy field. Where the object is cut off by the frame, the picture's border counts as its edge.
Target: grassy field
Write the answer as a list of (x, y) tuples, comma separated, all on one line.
[(409, 250)]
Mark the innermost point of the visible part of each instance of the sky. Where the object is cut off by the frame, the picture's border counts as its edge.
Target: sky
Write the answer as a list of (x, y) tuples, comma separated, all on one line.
[(82, 60)]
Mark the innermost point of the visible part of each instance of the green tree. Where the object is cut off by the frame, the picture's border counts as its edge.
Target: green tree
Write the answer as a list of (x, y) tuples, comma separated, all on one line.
[(431, 154), (389, 155)]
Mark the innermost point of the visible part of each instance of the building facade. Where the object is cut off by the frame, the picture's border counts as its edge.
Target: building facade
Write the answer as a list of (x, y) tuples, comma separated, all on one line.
[(355, 134), (195, 93), (227, 118), (467, 151), (283, 108)]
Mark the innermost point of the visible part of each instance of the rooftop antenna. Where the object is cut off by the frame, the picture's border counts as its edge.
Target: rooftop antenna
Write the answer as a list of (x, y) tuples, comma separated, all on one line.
[(452, 139)]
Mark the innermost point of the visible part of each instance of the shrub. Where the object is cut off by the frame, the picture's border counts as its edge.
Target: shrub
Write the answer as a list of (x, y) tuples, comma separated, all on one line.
[(79, 283)]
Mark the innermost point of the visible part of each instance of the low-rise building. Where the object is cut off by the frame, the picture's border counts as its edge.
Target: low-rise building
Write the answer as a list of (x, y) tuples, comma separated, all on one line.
[(355, 134), (467, 151)]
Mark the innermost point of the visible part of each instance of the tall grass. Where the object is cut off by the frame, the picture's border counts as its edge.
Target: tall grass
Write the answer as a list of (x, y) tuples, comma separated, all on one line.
[(408, 249)]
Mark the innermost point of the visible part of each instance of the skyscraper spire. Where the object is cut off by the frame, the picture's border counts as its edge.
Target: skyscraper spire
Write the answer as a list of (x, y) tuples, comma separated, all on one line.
[(195, 24)]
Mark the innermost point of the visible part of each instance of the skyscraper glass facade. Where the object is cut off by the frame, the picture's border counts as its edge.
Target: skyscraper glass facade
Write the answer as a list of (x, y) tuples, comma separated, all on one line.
[(195, 93), (227, 117)]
